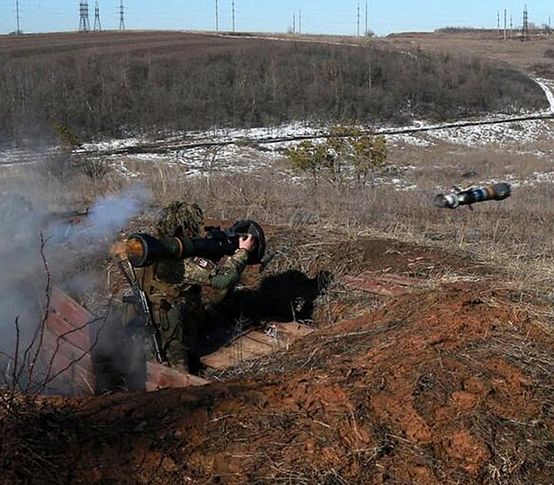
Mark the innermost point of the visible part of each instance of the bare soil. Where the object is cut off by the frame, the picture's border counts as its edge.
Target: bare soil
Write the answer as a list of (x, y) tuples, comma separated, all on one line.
[(448, 383), (483, 44), (451, 383), (489, 45), (135, 42)]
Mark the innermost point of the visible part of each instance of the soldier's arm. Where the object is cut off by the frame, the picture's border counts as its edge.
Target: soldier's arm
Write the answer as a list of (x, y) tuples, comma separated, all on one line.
[(200, 271), (228, 274)]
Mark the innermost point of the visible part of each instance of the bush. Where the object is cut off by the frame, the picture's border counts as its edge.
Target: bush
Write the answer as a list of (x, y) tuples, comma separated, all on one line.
[(347, 149), (69, 141), (259, 84)]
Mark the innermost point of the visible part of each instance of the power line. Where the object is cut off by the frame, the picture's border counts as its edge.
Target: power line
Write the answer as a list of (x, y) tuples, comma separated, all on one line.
[(252, 19), (233, 5)]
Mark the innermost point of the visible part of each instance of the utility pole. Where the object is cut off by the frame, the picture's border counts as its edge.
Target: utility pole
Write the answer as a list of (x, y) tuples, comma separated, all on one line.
[(233, 5), (525, 25), (366, 31), (97, 24), (294, 23), (511, 27), (121, 16), (498, 22), (299, 22), (216, 16), (505, 33), (18, 29), (358, 21), (84, 24)]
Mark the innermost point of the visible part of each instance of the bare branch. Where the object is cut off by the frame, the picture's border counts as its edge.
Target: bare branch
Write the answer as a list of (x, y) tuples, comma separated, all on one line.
[(50, 378), (16, 355), (45, 314)]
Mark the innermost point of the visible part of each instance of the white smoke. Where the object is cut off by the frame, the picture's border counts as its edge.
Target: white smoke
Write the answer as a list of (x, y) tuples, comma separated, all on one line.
[(103, 221), (38, 250)]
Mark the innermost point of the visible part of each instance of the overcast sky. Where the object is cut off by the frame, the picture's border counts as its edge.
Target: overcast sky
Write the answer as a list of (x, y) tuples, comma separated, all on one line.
[(318, 16)]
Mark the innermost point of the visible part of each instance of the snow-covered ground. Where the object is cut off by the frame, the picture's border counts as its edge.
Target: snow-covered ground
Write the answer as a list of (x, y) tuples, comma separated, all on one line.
[(514, 133), (248, 150), (515, 137), (547, 85)]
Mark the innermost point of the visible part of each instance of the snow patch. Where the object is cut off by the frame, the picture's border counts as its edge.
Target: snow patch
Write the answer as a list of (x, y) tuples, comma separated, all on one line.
[(546, 85)]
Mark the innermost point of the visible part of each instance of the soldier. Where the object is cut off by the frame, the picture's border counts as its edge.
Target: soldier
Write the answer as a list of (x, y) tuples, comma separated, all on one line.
[(174, 288)]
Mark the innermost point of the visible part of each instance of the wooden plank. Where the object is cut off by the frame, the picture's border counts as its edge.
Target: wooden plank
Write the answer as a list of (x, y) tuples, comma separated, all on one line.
[(67, 346), (256, 344), (60, 327), (76, 373), (292, 330), (71, 311), (160, 376), (60, 347)]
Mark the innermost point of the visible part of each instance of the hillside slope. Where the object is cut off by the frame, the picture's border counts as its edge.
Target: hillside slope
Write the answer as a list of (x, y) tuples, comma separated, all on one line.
[(451, 382)]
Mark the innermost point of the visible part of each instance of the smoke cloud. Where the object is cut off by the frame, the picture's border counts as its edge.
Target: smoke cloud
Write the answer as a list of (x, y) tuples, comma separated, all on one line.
[(37, 246), (100, 225)]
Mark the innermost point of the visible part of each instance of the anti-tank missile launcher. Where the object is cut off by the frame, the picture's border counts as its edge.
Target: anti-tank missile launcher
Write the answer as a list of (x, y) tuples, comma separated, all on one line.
[(144, 249)]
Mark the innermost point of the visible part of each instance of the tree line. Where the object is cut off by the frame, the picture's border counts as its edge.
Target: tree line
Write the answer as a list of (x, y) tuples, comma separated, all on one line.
[(100, 95)]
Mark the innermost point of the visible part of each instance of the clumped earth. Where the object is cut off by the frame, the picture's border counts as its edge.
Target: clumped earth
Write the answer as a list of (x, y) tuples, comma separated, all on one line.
[(448, 383)]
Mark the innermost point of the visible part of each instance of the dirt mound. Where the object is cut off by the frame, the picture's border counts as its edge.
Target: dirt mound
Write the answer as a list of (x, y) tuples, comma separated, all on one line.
[(442, 385), (445, 383)]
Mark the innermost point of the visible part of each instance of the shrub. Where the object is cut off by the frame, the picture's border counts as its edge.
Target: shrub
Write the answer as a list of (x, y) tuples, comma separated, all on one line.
[(254, 84), (347, 148)]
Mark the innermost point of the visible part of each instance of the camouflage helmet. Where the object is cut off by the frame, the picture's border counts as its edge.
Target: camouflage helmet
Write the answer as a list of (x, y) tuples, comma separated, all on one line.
[(180, 219)]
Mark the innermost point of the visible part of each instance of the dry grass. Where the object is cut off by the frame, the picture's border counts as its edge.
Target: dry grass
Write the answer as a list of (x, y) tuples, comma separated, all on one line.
[(514, 234), (485, 44)]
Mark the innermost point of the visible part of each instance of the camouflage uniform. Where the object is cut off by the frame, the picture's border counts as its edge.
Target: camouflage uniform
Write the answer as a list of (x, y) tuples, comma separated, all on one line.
[(174, 288), (177, 307)]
